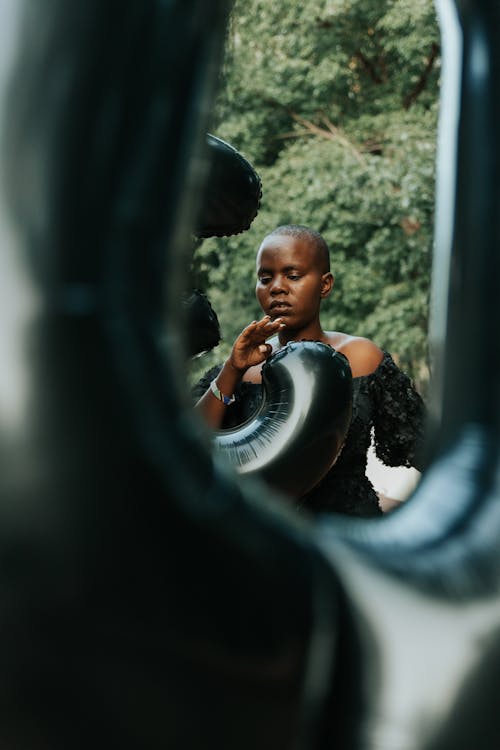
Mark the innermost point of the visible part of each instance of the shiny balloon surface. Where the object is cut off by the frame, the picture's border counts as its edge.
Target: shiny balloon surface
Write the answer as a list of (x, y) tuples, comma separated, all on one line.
[(297, 434), (233, 191), (149, 599)]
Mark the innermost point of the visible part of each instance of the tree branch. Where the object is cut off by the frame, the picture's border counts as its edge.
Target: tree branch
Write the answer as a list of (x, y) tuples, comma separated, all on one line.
[(329, 131), (369, 66), (422, 81)]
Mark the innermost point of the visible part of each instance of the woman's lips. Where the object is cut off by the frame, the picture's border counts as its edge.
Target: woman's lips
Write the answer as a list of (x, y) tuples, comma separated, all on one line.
[(279, 308)]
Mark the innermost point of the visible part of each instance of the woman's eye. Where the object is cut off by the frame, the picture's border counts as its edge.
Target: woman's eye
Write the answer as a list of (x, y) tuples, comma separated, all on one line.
[(264, 279), (294, 277)]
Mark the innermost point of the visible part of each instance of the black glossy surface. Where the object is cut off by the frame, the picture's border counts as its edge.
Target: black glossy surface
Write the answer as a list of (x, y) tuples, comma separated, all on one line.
[(148, 599), (231, 199), (201, 323), (297, 434)]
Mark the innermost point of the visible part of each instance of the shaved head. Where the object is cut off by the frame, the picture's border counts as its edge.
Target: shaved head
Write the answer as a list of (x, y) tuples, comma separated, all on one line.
[(314, 239)]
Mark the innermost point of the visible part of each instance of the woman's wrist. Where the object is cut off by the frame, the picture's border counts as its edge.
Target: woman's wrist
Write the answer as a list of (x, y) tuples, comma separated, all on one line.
[(226, 399), (226, 381), (237, 372)]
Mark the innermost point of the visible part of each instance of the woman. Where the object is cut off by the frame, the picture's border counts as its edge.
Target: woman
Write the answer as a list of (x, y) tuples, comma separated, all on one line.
[(293, 276)]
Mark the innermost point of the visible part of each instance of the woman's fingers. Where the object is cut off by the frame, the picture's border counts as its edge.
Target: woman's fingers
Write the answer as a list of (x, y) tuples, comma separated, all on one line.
[(263, 328), (265, 349)]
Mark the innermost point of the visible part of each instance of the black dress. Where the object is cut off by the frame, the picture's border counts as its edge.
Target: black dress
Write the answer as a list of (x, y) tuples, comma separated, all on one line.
[(386, 401)]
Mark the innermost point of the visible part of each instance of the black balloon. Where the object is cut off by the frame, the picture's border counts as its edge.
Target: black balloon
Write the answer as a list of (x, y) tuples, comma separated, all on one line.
[(148, 599), (202, 324), (229, 204), (231, 199), (297, 434)]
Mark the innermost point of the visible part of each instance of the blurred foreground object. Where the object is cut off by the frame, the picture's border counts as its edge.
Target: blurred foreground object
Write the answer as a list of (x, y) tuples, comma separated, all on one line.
[(150, 598), (147, 600)]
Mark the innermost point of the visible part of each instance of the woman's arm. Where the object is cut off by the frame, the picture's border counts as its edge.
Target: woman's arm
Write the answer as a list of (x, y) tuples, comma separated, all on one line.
[(248, 350)]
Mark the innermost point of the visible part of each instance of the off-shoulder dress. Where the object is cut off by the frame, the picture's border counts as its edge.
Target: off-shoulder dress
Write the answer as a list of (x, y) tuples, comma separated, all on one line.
[(385, 403)]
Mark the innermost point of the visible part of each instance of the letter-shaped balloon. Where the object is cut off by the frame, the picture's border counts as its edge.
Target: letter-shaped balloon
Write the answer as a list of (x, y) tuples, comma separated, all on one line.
[(297, 433)]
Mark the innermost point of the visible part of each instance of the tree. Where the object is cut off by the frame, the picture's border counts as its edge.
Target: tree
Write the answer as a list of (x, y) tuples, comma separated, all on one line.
[(335, 103)]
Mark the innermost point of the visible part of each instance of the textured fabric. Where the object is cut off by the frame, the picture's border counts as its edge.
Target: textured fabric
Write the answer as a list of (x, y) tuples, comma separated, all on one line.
[(386, 401)]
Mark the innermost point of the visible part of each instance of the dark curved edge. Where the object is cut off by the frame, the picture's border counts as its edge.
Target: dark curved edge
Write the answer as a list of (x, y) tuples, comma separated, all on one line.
[(426, 579), (144, 603), (454, 553), (201, 323), (135, 589), (231, 199), (295, 436)]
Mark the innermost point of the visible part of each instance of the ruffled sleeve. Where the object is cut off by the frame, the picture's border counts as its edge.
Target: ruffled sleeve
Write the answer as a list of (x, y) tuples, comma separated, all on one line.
[(399, 416)]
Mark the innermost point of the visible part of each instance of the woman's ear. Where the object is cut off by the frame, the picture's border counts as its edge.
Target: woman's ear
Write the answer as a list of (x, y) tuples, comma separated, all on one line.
[(327, 284)]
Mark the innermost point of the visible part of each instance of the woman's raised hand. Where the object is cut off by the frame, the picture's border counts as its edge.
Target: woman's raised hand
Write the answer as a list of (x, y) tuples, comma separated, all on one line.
[(250, 348)]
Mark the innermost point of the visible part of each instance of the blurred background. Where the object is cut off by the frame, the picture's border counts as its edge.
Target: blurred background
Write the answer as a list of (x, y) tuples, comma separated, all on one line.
[(335, 104)]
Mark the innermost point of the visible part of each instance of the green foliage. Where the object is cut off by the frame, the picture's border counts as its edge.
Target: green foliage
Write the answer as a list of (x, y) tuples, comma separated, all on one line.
[(335, 103)]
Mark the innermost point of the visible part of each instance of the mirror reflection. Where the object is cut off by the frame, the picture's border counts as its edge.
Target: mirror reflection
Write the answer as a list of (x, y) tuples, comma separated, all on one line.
[(334, 107)]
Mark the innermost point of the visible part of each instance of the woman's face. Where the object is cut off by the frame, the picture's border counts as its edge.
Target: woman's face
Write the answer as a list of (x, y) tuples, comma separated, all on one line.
[(290, 280)]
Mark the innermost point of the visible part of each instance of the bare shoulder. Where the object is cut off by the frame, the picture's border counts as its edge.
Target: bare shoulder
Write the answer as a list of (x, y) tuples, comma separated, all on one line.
[(364, 355)]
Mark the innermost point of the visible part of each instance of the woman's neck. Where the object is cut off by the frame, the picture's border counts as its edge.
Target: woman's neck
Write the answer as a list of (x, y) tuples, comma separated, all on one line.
[(309, 333)]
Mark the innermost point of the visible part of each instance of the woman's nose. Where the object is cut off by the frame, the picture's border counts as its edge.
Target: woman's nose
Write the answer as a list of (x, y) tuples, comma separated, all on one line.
[(277, 285)]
